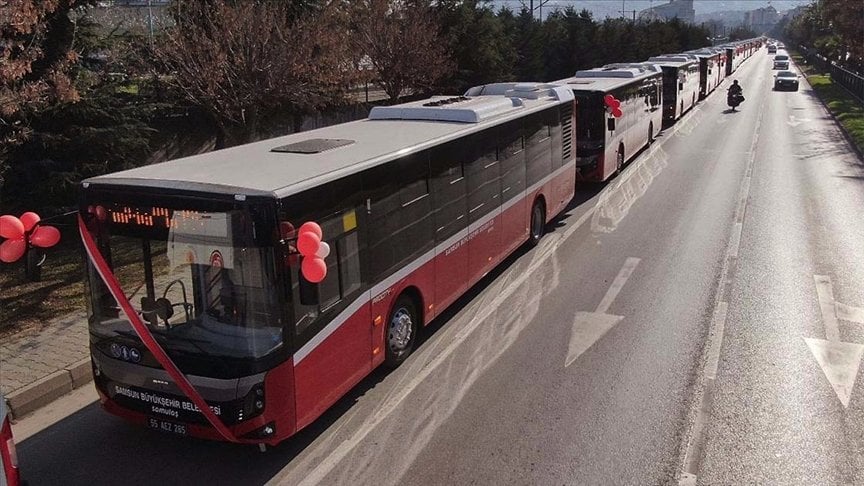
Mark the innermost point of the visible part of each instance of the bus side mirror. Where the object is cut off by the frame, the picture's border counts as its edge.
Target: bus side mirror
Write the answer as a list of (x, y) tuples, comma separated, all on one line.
[(610, 124), (308, 291)]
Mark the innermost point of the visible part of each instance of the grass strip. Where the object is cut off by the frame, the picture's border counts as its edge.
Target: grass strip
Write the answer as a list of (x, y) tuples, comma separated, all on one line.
[(845, 108)]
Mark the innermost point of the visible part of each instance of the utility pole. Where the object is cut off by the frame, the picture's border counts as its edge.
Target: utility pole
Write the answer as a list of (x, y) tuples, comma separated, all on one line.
[(150, 21)]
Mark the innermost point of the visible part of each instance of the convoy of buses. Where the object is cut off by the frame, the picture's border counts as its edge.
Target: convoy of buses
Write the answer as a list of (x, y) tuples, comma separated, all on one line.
[(205, 319)]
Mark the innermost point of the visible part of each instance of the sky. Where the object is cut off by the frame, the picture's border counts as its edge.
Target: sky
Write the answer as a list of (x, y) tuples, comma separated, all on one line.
[(605, 8)]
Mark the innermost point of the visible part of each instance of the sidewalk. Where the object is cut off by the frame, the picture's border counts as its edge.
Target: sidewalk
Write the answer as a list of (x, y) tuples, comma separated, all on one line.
[(36, 368)]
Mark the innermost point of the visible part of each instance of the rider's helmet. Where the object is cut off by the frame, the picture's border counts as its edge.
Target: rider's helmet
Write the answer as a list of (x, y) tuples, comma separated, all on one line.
[(734, 81)]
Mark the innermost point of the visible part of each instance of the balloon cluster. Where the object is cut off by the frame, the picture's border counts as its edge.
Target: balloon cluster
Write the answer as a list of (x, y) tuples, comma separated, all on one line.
[(23, 232), (613, 105), (314, 252)]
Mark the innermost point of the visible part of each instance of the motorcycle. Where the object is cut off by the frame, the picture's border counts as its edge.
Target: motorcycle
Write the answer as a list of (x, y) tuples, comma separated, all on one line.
[(734, 99)]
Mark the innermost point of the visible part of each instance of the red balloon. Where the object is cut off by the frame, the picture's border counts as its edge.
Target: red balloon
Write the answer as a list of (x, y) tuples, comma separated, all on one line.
[(617, 112), (12, 250), (615, 104), (307, 243), (608, 99), (11, 227), (45, 236), (30, 220), (314, 269), (311, 226)]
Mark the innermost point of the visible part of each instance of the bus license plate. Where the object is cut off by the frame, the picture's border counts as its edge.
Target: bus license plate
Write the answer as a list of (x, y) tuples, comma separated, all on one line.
[(166, 426)]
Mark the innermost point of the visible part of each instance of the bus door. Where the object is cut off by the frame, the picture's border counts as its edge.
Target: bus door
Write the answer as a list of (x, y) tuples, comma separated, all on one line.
[(450, 219), (332, 323)]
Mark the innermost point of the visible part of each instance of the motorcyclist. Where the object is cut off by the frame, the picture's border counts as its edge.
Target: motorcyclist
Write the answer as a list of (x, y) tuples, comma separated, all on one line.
[(735, 89), (735, 95)]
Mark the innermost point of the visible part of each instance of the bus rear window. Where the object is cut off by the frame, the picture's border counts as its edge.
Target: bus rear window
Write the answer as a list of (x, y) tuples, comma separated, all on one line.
[(589, 118)]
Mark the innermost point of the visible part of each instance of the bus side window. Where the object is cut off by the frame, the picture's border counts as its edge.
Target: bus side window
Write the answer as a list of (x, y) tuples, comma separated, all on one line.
[(482, 172), (511, 155), (448, 192), (399, 212), (539, 158)]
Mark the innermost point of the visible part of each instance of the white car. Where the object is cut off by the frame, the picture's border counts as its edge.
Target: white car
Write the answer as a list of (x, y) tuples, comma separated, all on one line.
[(8, 456), (786, 80), (781, 61)]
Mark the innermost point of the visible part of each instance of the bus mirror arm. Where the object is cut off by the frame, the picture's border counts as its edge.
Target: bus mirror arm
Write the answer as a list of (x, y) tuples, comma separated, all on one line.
[(308, 291)]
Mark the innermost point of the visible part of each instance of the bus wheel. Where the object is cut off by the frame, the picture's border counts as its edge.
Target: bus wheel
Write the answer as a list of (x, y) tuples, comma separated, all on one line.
[(650, 133), (538, 223), (401, 331)]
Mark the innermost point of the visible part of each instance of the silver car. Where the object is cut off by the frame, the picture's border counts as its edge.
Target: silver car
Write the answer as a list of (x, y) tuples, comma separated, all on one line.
[(781, 61)]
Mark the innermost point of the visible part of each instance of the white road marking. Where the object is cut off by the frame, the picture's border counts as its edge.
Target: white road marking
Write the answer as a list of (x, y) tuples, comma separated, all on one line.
[(849, 313), (719, 325), (617, 284), (840, 362), (589, 327), (826, 302)]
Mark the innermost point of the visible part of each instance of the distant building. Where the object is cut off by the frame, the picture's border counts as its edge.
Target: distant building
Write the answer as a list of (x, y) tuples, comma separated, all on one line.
[(761, 19), (680, 9)]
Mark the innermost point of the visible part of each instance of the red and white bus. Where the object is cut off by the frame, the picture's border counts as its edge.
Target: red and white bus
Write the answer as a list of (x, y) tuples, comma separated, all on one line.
[(710, 71), (680, 84), (201, 320), (604, 143)]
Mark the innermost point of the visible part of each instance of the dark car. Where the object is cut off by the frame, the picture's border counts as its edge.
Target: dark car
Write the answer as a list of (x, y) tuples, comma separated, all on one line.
[(786, 80)]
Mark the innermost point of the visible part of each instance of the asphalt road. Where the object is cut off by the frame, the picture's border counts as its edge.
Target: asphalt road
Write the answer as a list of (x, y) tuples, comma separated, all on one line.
[(659, 328)]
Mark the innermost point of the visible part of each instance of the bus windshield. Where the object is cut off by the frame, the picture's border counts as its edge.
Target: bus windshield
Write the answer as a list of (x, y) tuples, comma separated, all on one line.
[(196, 278)]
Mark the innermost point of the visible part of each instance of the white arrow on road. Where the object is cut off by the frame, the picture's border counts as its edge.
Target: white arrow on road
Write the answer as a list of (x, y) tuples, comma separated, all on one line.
[(794, 121), (589, 327), (839, 361)]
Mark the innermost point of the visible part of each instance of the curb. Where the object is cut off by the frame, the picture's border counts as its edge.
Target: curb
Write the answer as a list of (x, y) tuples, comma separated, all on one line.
[(45, 390)]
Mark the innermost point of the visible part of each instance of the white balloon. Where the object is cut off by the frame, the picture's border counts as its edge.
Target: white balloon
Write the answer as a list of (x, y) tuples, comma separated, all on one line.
[(323, 250)]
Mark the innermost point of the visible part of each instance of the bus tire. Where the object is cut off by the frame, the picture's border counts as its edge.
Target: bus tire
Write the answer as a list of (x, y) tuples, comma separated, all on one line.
[(538, 223), (401, 332)]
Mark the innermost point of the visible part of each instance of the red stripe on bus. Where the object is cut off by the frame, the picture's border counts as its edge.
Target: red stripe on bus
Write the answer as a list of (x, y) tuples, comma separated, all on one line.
[(147, 338)]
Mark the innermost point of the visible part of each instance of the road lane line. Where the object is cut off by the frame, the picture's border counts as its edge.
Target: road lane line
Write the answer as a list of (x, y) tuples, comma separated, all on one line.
[(617, 285), (695, 443), (714, 351), (826, 304)]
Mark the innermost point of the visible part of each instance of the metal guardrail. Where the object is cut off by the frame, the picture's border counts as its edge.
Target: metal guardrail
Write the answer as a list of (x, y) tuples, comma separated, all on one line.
[(853, 82)]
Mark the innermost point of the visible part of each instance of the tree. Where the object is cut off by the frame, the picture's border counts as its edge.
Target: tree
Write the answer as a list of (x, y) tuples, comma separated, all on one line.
[(243, 62), (741, 33), (36, 57), (477, 43), (847, 21), (401, 39)]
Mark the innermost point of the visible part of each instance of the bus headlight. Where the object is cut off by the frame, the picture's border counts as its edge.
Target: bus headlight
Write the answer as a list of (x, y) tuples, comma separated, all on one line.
[(253, 403)]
